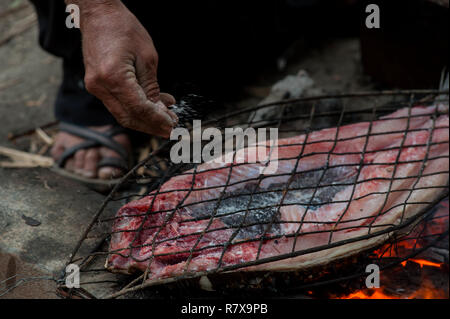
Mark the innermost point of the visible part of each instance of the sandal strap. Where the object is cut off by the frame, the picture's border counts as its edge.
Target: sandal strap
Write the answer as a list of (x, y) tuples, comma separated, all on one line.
[(93, 139), (68, 153)]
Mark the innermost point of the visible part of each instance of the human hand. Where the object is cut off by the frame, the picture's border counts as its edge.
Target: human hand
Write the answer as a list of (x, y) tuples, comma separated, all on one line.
[(121, 68)]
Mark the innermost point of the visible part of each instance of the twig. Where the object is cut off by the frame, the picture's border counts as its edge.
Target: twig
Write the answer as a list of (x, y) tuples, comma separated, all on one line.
[(20, 27), (14, 136), (44, 136), (8, 84), (43, 150), (23, 159), (143, 155), (13, 10), (23, 281)]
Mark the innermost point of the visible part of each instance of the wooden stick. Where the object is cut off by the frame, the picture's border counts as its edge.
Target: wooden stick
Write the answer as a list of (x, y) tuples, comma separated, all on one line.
[(43, 150), (24, 159), (17, 165), (154, 143), (13, 10), (8, 84), (20, 27), (143, 155), (14, 136), (44, 136)]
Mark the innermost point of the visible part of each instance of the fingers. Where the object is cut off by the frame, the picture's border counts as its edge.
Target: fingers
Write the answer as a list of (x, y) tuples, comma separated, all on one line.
[(131, 108), (146, 68), (164, 108), (135, 102), (146, 76), (167, 99), (158, 120)]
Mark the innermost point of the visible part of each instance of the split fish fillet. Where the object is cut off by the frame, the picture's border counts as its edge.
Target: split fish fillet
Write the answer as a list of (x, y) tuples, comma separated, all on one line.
[(342, 183)]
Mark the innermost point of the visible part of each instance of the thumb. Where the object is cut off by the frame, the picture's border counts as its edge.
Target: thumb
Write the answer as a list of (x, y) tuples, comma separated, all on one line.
[(167, 100), (163, 107)]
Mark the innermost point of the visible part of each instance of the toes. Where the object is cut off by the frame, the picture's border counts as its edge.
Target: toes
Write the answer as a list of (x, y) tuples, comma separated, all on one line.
[(79, 161), (64, 141), (113, 172), (70, 165), (91, 159), (85, 162), (57, 150)]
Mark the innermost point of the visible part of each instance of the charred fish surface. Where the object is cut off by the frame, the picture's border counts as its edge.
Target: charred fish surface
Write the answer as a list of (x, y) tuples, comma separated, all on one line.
[(256, 210)]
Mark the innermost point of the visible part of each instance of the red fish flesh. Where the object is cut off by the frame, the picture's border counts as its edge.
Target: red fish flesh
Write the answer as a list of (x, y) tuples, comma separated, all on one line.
[(342, 183)]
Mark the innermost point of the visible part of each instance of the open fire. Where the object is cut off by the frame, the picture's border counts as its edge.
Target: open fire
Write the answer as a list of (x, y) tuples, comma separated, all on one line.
[(423, 276)]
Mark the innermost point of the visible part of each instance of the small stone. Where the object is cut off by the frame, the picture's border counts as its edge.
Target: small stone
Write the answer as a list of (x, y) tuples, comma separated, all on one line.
[(31, 221)]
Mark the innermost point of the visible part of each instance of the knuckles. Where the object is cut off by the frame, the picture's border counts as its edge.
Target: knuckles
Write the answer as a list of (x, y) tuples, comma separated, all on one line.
[(150, 57), (104, 74), (91, 82), (107, 71), (151, 90)]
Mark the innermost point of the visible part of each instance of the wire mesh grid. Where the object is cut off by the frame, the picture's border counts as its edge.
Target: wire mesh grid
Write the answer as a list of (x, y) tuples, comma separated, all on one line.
[(340, 189)]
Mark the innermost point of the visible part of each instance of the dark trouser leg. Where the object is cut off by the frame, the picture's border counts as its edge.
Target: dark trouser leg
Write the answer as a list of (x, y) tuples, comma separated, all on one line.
[(73, 103)]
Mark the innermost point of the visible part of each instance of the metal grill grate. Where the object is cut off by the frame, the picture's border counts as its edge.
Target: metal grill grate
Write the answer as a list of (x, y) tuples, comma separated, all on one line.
[(198, 227)]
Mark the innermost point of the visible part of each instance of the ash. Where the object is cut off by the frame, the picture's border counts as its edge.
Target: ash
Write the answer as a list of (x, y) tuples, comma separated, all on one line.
[(232, 208), (185, 110)]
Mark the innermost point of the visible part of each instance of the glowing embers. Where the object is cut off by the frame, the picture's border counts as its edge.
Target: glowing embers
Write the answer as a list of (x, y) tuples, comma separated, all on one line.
[(424, 276)]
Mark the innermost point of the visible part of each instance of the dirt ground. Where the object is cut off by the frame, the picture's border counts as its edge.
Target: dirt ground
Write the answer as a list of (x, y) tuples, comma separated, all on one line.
[(29, 79)]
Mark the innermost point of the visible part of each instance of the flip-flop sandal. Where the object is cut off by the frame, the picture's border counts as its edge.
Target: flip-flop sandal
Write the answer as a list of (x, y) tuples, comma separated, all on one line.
[(94, 139)]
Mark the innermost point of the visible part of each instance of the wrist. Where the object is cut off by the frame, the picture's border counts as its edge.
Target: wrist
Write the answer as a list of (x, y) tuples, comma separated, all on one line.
[(92, 8)]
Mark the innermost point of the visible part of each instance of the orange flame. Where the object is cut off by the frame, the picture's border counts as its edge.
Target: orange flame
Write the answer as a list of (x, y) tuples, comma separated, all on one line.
[(363, 295), (426, 291), (422, 262)]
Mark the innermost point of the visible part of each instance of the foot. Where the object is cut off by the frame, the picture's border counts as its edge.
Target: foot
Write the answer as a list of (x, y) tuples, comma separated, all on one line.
[(84, 162)]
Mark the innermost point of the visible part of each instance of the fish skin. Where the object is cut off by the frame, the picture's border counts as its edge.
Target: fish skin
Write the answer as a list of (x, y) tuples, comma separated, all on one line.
[(363, 205)]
